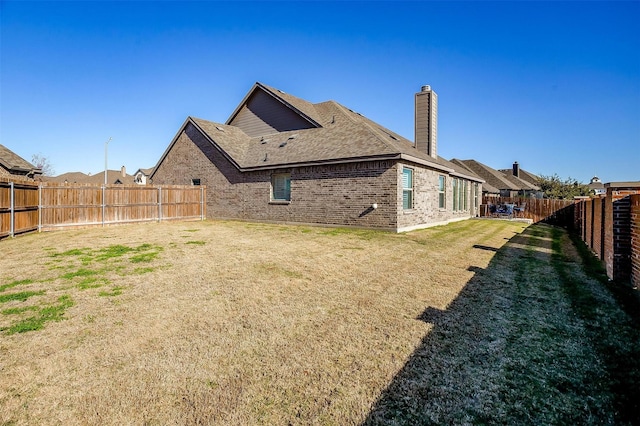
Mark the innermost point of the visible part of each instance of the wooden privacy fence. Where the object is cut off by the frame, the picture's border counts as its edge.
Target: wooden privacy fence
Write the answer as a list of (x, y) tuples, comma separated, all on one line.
[(26, 206), (536, 209)]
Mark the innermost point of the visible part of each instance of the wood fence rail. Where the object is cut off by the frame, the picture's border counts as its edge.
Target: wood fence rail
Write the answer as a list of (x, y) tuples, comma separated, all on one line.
[(30, 206), (536, 209)]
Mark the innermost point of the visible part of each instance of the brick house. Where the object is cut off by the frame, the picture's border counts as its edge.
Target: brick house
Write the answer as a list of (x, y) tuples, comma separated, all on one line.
[(512, 182), (279, 158), (15, 167)]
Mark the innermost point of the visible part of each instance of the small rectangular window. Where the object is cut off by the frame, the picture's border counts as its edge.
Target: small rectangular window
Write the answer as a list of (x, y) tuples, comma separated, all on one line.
[(195, 182), (441, 192), (465, 196), (475, 195), (407, 188), (281, 187), (456, 195)]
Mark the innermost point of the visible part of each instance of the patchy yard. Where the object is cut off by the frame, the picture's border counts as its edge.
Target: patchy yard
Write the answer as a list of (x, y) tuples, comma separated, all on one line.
[(237, 323)]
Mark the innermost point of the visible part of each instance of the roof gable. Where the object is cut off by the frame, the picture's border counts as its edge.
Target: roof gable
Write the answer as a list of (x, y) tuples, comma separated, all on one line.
[(13, 162), (497, 179), (325, 133), (265, 111)]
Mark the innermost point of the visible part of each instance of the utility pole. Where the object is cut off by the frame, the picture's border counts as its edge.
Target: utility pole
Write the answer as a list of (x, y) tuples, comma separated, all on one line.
[(105, 160)]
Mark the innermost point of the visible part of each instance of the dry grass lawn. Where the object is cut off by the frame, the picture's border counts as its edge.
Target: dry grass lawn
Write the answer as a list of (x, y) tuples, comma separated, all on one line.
[(236, 323)]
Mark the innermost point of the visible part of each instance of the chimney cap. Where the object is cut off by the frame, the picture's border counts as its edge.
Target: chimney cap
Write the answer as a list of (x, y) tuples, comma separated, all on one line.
[(425, 88)]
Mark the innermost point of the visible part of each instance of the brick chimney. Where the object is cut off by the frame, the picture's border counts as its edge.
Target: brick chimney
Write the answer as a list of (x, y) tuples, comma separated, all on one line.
[(426, 121), (516, 169)]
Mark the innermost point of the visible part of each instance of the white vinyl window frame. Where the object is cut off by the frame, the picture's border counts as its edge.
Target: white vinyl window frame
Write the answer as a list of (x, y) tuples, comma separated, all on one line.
[(442, 187), (407, 188)]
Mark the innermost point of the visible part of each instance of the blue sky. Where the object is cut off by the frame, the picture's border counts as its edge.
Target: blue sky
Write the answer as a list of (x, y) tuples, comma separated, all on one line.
[(552, 85)]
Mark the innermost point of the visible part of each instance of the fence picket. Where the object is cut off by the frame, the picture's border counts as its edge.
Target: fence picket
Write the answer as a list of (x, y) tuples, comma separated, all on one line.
[(30, 206)]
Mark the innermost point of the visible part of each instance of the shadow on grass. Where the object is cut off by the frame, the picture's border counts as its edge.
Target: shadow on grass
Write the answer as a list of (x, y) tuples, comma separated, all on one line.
[(512, 348)]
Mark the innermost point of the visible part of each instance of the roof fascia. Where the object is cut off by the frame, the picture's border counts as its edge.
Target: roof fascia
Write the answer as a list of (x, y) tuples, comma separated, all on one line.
[(323, 163), (427, 163), (468, 177), (257, 86)]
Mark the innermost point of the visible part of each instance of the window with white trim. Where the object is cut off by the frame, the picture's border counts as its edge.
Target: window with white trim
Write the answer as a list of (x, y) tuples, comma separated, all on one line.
[(465, 195), (407, 188), (441, 192), (475, 195), (456, 194), (281, 187)]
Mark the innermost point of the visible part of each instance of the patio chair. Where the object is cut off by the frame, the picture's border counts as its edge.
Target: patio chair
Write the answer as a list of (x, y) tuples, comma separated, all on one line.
[(519, 209)]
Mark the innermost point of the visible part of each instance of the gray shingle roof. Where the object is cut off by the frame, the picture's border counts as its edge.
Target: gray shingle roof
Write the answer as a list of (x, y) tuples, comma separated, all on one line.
[(495, 178), (524, 175), (78, 177), (343, 135), (13, 162)]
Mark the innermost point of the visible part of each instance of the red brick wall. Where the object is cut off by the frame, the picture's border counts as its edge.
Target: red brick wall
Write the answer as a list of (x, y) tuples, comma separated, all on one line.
[(588, 223), (635, 241), (597, 228), (618, 232)]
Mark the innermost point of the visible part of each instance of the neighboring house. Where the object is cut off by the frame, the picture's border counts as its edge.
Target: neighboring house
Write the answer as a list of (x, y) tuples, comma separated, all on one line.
[(279, 158), (141, 176), (113, 177), (597, 187), (518, 172), (14, 166), (505, 183)]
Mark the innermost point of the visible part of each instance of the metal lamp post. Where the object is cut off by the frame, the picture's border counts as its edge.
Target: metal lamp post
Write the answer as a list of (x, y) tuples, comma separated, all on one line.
[(105, 160)]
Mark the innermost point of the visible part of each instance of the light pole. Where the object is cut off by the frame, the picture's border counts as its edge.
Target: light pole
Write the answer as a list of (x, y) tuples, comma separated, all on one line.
[(105, 160)]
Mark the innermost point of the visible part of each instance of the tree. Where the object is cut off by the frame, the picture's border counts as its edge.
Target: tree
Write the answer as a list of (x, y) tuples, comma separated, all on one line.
[(41, 162), (555, 187)]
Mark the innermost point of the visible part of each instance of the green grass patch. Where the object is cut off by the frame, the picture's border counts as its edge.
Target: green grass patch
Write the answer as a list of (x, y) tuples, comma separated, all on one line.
[(144, 257), (22, 296), (15, 311), (15, 284), (80, 273), (112, 251), (140, 271), (44, 315), (92, 282), (115, 291), (196, 243), (72, 252)]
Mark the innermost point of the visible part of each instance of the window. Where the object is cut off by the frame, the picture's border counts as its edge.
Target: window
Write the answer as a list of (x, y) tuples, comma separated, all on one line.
[(281, 187), (456, 194), (465, 195), (407, 188), (195, 182), (475, 195), (441, 192)]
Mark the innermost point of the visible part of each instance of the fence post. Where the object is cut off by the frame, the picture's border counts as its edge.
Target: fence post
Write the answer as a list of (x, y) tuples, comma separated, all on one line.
[(103, 203), (159, 204), (201, 203), (39, 207), (12, 210)]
